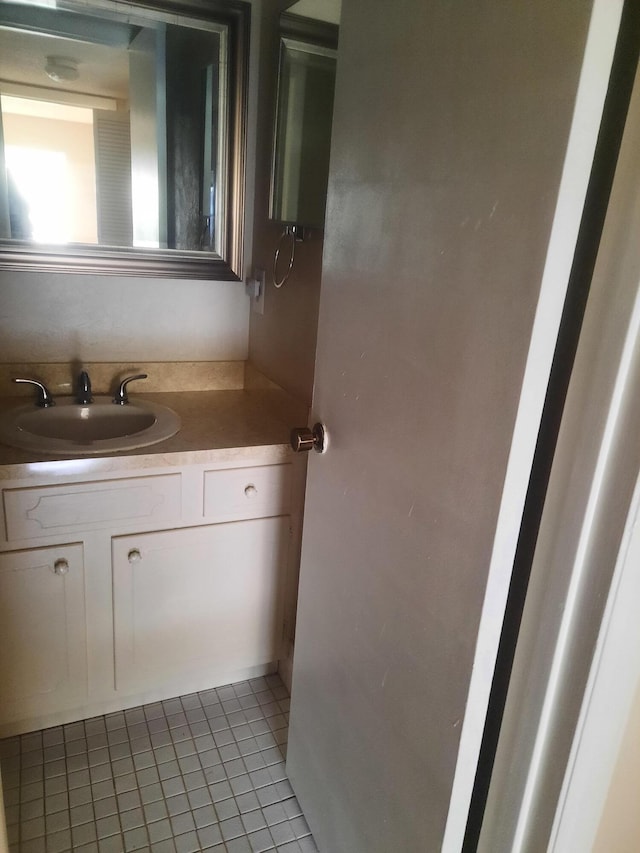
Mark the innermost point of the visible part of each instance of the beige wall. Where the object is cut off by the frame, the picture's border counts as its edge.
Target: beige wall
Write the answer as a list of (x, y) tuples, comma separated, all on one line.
[(47, 317), (75, 139), (282, 342), (619, 830)]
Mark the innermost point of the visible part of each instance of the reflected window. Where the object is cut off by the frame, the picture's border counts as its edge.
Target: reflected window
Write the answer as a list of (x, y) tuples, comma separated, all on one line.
[(37, 194), (49, 154)]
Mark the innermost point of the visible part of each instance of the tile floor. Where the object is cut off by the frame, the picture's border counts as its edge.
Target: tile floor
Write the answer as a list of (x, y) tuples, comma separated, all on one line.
[(201, 772)]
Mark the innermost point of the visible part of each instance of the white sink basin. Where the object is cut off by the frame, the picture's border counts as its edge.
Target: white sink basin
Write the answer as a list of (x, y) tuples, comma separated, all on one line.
[(72, 429)]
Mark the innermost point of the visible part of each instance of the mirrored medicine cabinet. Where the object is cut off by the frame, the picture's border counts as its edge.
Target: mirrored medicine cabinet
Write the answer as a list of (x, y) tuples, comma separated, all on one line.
[(304, 111), (302, 128), (122, 136)]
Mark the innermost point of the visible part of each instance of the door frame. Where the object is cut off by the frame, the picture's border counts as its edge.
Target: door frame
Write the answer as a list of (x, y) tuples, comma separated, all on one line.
[(608, 702), (588, 111), (582, 544)]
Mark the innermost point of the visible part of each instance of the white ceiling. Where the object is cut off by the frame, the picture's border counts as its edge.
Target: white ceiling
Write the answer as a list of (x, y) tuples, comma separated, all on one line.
[(102, 70)]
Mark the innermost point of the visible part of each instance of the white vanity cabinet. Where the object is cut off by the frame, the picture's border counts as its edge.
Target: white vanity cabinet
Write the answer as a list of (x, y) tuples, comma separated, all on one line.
[(43, 647), (117, 590), (198, 601)]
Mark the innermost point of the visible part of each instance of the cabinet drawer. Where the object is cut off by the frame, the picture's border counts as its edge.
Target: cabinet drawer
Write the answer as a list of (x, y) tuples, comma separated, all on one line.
[(49, 510), (247, 492)]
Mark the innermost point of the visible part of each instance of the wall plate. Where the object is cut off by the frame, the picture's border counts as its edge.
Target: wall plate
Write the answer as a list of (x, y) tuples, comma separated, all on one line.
[(255, 288)]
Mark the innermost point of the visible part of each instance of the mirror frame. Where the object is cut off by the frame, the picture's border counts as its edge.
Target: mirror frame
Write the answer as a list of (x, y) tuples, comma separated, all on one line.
[(170, 263)]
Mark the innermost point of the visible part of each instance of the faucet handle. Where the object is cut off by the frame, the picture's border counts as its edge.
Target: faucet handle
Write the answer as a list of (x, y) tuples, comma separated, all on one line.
[(44, 398), (121, 397)]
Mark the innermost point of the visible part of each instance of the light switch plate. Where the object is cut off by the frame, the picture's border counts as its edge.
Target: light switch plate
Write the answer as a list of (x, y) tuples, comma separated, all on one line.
[(256, 288)]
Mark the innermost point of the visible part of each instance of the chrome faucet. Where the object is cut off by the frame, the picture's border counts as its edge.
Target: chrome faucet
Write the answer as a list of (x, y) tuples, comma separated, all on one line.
[(84, 395), (44, 399), (121, 396)]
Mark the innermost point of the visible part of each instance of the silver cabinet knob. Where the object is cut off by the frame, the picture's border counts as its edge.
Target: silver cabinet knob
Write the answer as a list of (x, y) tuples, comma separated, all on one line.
[(134, 556), (61, 567), (304, 439), (250, 491)]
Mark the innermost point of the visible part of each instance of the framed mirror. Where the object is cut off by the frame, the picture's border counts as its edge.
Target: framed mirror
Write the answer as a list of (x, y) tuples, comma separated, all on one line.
[(304, 111), (122, 137)]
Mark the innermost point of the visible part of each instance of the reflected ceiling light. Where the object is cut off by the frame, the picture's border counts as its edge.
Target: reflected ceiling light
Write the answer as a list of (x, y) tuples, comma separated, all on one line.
[(61, 68), (49, 4)]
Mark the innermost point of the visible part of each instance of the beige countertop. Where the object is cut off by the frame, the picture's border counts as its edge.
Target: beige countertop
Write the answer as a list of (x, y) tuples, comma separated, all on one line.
[(217, 426)]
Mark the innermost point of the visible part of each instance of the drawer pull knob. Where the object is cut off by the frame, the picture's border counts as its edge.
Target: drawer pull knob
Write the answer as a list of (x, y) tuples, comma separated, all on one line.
[(250, 490), (134, 556), (61, 567)]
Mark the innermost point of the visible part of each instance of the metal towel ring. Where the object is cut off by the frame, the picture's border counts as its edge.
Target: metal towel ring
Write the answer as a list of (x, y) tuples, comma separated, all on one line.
[(289, 231)]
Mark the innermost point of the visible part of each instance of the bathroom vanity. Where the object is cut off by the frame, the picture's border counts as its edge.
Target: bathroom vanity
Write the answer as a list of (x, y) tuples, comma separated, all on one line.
[(129, 578)]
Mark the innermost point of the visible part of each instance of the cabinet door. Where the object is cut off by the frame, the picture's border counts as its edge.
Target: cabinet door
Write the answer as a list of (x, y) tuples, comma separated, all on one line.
[(192, 604), (43, 648)]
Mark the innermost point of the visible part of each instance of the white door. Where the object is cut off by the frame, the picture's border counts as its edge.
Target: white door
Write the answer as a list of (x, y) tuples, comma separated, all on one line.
[(451, 221)]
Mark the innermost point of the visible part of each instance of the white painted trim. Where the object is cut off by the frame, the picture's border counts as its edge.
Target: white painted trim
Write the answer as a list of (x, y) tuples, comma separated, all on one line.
[(592, 89), (562, 649), (46, 95), (608, 699)]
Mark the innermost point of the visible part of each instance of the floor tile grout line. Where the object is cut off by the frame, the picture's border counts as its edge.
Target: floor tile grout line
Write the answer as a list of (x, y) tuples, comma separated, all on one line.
[(268, 695)]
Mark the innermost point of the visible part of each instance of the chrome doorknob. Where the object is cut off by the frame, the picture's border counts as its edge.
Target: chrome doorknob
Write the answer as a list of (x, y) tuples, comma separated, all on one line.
[(304, 439)]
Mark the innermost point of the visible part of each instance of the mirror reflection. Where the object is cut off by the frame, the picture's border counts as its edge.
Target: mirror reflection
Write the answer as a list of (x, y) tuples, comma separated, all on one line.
[(304, 111), (113, 127), (303, 132)]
